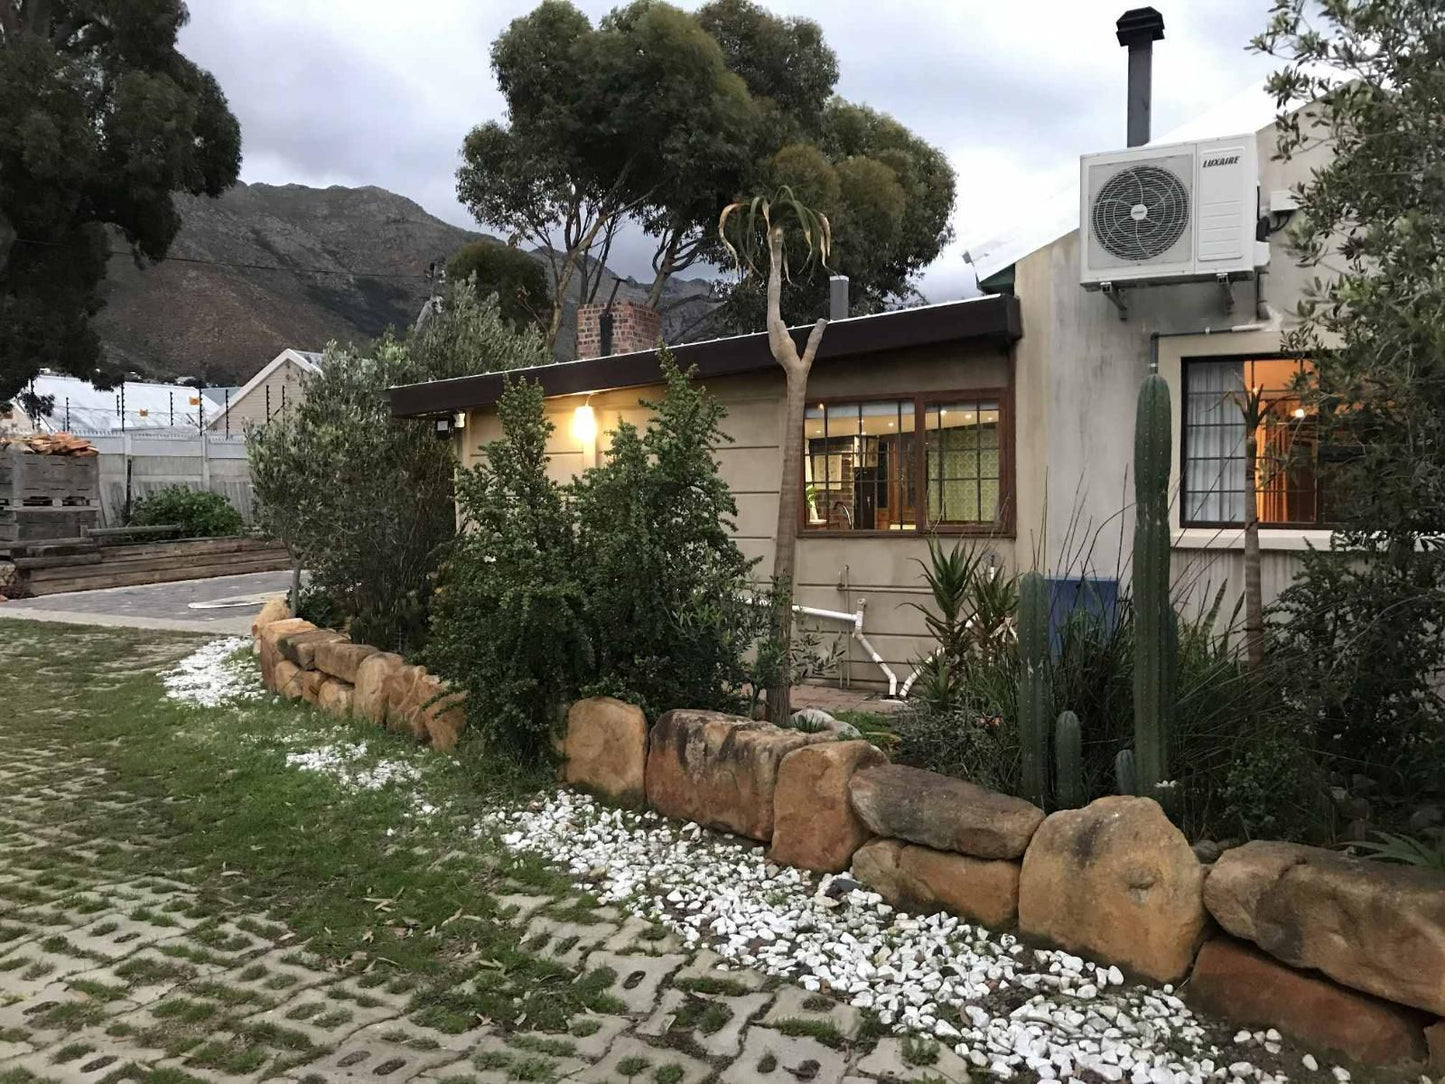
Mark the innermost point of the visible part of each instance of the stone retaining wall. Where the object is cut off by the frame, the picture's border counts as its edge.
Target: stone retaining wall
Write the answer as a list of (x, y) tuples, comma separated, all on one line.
[(323, 667), (1338, 953)]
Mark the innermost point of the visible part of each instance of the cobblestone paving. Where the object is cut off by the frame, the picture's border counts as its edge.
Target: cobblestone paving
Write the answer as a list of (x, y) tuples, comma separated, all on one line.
[(114, 968)]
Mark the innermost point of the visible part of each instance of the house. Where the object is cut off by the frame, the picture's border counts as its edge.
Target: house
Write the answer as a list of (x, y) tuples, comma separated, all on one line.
[(278, 384), (1007, 418), (75, 405)]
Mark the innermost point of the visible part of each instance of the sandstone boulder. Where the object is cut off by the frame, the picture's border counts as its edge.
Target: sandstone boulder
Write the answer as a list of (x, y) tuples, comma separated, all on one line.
[(311, 682), (288, 679), (341, 658), (1372, 926), (604, 749), (719, 770), (445, 719), (369, 700), (300, 647), (981, 890), (274, 610), (1435, 1040), (943, 813), (406, 690), (814, 825), (269, 652), (1116, 881), (1234, 980), (334, 697)]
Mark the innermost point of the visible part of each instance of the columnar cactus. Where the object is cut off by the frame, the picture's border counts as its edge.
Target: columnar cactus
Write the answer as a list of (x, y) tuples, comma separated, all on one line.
[(1068, 762), (1125, 781), (1155, 655), (1035, 695)]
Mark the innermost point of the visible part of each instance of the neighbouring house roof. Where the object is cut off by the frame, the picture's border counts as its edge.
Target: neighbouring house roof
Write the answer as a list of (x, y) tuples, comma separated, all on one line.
[(1248, 111), (308, 361), (81, 406), (989, 319)]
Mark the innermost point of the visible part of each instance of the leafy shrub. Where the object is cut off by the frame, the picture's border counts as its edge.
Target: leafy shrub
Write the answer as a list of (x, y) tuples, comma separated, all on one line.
[(508, 622), (1405, 850), (317, 605), (363, 500), (200, 514)]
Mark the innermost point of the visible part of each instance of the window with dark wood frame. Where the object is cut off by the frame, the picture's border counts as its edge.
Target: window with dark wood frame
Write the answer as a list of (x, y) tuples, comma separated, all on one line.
[(1291, 486), (903, 464)]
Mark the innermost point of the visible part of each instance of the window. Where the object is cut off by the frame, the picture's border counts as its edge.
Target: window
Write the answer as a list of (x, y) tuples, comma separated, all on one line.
[(1289, 489), (865, 467)]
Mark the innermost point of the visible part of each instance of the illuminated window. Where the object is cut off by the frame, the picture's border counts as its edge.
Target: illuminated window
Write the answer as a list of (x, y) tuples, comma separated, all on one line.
[(865, 468), (1290, 486)]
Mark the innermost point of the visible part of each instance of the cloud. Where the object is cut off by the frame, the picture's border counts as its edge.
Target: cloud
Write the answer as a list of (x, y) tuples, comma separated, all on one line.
[(359, 92)]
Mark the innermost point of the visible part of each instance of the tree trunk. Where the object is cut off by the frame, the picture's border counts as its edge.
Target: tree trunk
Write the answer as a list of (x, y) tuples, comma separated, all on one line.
[(795, 369), (1253, 591)]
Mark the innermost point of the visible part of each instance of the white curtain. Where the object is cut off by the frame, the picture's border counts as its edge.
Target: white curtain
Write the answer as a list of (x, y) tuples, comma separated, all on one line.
[(1214, 443)]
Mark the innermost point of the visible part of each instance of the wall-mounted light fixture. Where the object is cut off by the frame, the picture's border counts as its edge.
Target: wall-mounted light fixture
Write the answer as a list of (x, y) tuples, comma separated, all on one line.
[(584, 424)]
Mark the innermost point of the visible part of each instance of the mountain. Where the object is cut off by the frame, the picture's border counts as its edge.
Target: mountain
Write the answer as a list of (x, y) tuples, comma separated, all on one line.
[(265, 267)]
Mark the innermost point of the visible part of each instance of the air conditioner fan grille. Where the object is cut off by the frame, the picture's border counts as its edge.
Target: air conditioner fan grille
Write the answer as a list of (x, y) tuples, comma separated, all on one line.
[(1140, 213)]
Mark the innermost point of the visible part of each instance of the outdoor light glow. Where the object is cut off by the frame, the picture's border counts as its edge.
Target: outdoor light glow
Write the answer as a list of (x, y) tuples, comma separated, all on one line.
[(584, 424), (1299, 412)]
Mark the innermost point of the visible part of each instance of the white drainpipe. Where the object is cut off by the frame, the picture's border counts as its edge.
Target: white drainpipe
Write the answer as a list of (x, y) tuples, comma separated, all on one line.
[(856, 620)]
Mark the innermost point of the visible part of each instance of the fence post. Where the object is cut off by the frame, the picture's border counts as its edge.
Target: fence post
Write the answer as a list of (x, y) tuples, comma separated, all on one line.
[(171, 398), (228, 411)]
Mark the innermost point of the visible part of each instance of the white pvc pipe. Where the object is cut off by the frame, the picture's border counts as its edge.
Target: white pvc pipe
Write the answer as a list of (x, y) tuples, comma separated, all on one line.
[(903, 694), (856, 620)]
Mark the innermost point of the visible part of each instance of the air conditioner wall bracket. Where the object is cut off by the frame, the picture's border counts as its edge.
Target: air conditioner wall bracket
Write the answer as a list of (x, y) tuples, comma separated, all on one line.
[(1226, 287), (1115, 294)]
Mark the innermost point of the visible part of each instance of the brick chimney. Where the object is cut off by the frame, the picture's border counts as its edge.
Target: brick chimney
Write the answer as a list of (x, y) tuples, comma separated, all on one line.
[(624, 327)]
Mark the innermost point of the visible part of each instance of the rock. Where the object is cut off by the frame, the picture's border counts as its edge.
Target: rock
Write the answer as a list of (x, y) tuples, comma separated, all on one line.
[(407, 689), (369, 700), (816, 720), (341, 658), (1435, 1040), (604, 750), (1115, 880), (269, 652), (1236, 981), (334, 697), (1425, 818), (814, 825), (288, 679), (311, 682), (1207, 851), (1370, 925), (274, 610), (719, 770), (445, 719), (943, 813), (979, 889), (300, 647)]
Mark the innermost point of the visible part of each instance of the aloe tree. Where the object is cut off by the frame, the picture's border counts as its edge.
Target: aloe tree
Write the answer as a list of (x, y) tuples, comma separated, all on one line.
[(1251, 406), (767, 227)]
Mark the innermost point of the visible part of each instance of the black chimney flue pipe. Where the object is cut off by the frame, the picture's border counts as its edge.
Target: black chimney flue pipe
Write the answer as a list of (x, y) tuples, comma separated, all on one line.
[(1137, 30)]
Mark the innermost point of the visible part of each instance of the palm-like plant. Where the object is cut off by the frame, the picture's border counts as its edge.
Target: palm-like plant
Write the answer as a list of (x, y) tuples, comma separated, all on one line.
[(756, 233)]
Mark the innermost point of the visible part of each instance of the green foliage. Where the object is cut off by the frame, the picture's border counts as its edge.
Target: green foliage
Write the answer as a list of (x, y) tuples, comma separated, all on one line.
[(200, 514), (102, 121), (665, 583), (508, 623), (1405, 850), (1068, 762), (1154, 655), (317, 605), (514, 277), (1035, 703), (365, 501), (1361, 80)]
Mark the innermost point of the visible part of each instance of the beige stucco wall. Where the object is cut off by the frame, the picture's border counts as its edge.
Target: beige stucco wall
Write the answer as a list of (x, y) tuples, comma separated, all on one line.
[(284, 384), (879, 574)]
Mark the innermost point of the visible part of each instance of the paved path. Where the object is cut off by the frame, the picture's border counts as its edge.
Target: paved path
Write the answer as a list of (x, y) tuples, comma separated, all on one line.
[(170, 606)]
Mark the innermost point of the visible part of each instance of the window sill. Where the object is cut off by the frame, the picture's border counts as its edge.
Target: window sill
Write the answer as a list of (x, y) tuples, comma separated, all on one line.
[(1278, 539), (981, 531)]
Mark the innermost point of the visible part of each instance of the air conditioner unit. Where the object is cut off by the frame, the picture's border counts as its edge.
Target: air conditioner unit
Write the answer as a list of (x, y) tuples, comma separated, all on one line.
[(1175, 213)]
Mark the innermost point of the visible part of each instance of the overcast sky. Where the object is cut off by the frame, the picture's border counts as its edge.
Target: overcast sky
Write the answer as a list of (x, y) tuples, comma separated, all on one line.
[(371, 92)]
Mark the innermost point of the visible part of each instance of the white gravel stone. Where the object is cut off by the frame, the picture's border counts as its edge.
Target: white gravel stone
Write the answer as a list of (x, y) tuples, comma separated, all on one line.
[(211, 676)]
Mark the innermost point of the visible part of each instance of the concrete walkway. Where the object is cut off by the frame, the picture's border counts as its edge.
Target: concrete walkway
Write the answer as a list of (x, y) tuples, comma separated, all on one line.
[(222, 604)]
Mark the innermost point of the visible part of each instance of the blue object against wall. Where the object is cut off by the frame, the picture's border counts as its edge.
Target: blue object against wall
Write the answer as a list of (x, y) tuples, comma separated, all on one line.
[(1097, 598)]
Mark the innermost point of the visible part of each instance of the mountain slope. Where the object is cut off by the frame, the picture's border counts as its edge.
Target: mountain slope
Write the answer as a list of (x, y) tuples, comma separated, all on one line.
[(267, 267)]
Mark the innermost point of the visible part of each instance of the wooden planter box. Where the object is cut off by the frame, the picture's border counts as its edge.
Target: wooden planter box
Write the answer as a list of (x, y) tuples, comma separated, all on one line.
[(47, 496)]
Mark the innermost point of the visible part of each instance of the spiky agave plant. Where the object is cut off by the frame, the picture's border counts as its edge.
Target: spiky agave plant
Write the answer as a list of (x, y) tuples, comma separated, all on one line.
[(755, 233)]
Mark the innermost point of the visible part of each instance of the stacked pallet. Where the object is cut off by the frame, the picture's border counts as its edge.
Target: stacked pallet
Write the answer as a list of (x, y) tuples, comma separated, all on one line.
[(52, 444)]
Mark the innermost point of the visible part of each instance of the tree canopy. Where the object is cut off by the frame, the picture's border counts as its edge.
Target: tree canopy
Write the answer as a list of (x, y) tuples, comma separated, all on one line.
[(102, 121), (659, 118), (517, 280)]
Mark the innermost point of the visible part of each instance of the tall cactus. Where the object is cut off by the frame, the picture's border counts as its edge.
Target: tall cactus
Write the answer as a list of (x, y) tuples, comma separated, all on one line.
[(1068, 762), (1035, 695), (1125, 781), (1155, 655)]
